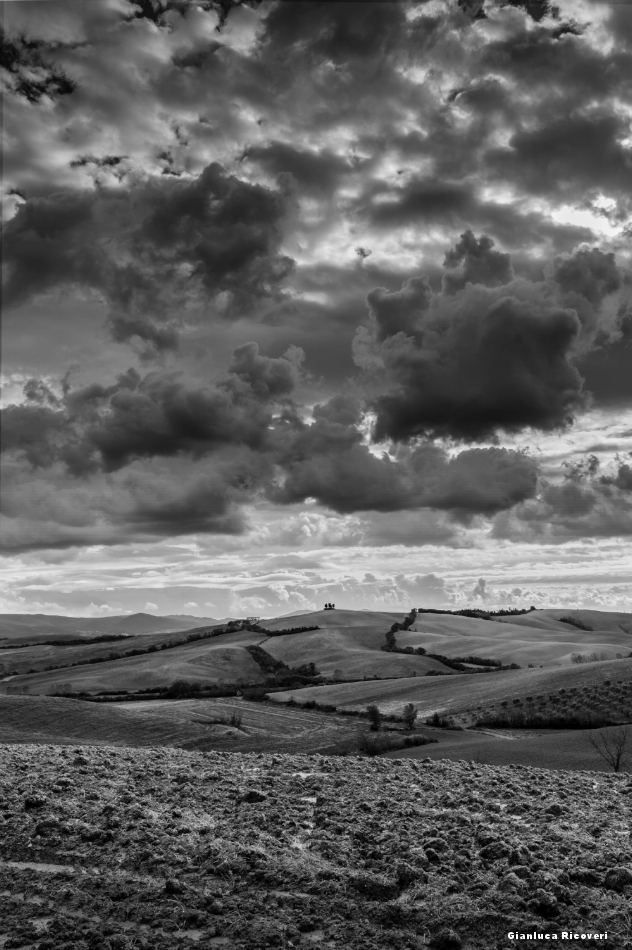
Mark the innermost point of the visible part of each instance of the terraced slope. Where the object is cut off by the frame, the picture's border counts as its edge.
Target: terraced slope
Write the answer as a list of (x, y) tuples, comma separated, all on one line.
[(157, 849)]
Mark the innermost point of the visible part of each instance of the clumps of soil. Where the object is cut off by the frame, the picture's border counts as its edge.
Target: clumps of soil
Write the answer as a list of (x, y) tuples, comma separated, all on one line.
[(114, 849)]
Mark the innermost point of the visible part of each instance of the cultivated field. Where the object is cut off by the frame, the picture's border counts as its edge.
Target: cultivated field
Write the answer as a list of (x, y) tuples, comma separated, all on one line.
[(162, 848), (189, 724), (347, 646), (46, 719), (220, 659), (568, 750), (510, 642), (349, 643), (265, 727), (463, 693)]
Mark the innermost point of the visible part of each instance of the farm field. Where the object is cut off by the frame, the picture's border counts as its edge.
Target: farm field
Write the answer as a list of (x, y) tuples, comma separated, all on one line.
[(265, 727), (462, 692), (48, 719), (510, 642), (221, 658), (347, 645), (548, 619), (566, 750), (178, 723), (41, 656), (348, 642)]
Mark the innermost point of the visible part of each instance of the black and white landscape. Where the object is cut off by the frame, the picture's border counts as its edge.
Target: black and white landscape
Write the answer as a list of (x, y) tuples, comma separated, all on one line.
[(316, 577)]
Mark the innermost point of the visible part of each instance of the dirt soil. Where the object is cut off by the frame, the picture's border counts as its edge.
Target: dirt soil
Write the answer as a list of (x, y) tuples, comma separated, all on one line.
[(114, 849)]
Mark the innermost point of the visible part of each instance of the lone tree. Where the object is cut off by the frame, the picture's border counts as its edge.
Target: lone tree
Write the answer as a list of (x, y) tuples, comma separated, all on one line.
[(409, 716), (375, 717), (611, 745)]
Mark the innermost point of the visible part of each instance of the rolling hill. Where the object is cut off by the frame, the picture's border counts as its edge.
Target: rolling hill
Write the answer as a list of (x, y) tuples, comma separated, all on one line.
[(221, 659), (346, 646), (34, 627)]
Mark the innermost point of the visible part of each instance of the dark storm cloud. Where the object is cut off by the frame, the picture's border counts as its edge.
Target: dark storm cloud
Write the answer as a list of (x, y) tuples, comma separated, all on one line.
[(474, 261), (491, 352), (420, 202), (319, 31), (152, 247), (588, 272), (569, 156), (158, 415), (329, 462), (316, 172), (585, 504)]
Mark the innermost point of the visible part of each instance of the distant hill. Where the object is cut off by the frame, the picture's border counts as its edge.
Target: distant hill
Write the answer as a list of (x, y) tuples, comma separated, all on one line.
[(34, 627)]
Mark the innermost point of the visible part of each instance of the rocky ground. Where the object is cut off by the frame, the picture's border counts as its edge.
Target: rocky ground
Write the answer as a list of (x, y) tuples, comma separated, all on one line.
[(114, 849)]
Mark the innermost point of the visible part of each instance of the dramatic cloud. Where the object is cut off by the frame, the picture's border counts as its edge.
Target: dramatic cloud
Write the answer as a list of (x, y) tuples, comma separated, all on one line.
[(153, 248), (329, 461), (156, 415), (283, 279), (491, 352), (584, 504)]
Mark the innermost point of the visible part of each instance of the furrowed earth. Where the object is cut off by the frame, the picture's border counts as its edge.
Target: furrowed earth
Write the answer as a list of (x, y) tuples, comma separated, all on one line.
[(113, 849)]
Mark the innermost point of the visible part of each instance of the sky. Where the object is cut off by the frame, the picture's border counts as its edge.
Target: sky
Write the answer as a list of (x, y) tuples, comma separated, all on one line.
[(310, 302)]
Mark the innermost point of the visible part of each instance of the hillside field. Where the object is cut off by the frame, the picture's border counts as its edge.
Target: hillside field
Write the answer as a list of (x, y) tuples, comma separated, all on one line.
[(189, 724), (461, 693), (220, 659), (347, 646)]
